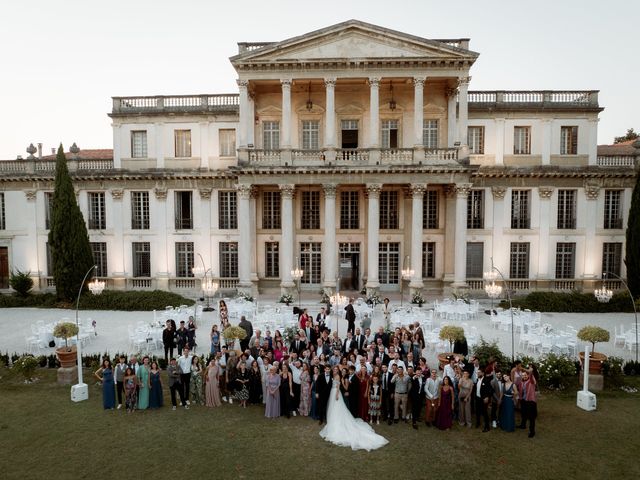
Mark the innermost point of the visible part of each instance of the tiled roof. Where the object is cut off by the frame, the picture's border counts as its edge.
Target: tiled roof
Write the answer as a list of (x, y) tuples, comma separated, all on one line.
[(88, 154)]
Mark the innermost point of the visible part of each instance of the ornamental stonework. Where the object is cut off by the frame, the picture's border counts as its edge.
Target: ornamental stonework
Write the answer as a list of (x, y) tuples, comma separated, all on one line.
[(244, 190), (117, 193), (591, 192), (205, 193), (330, 190), (498, 192), (545, 193), (287, 191), (160, 192), (30, 194)]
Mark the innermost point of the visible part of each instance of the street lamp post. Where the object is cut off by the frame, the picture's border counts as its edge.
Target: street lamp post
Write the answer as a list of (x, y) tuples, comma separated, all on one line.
[(80, 391), (407, 274), (494, 291), (604, 295), (297, 274)]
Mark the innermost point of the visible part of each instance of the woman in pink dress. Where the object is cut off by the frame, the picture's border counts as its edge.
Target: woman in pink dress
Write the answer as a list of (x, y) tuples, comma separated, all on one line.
[(444, 417), (305, 391), (272, 404), (212, 392)]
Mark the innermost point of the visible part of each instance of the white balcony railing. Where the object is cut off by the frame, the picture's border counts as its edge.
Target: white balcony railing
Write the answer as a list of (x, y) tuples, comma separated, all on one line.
[(352, 156), (265, 157), (397, 155), (564, 285), (616, 161)]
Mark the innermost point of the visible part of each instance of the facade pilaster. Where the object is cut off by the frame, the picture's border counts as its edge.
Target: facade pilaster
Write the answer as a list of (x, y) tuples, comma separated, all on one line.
[(243, 99), (463, 109), (329, 254), (374, 113), (499, 141), (452, 96), (159, 142), (592, 193), (245, 241), (546, 141), (287, 192), (545, 194), (460, 262), (417, 199), (330, 113), (500, 258), (285, 133), (373, 233), (418, 110)]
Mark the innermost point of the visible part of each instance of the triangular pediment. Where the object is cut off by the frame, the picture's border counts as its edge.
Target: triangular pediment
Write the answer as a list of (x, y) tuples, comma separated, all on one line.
[(353, 40)]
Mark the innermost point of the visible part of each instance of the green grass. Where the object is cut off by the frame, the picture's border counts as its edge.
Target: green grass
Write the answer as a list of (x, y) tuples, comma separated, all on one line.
[(45, 435)]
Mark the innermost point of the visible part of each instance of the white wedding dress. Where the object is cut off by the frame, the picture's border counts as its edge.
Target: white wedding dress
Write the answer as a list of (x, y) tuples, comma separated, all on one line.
[(344, 430)]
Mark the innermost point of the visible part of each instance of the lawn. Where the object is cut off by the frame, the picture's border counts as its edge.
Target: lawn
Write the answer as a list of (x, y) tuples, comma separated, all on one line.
[(45, 435)]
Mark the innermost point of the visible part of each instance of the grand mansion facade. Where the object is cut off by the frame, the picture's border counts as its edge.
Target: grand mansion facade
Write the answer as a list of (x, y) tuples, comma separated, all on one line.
[(351, 153)]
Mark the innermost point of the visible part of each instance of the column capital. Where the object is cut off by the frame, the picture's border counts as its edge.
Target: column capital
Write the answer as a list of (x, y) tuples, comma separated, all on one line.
[(462, 189), (451, 92), (498, 192), (329, 82), (205, 193), (30, 194), (545, 192), (373, 190), (117, 193), (464, 81), (591, 192), (330, 190), (419, 81), (417, 189), (242, 83), (287, 190), (244, 190), (286, 83), (161, 193), (374, 81)]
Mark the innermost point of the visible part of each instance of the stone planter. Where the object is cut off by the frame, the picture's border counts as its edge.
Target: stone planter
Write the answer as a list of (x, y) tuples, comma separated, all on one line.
[(595, 362), (442, 359), (68, 357)]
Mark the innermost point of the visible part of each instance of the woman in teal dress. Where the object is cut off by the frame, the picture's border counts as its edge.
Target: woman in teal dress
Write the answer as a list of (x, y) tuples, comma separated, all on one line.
[(197, 392), (155, 395), (105, 375), (143, 382), (507, 407)]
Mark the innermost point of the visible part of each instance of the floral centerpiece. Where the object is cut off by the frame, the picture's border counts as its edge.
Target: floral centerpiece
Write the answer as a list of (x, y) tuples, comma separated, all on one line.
[(233, 333), (417, 299), (245, 296), (373, 298), (286, 298)]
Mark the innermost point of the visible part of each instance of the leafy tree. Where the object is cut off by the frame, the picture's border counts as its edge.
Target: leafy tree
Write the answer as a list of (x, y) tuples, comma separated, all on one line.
[(631, 135), (68, 240), (632, 249)]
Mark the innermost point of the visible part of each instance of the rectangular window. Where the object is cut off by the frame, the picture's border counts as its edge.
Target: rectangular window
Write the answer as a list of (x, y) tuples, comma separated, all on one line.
[(272, 259), (520, 212), (611, 259), (271, 135), (475, 259), (521, 140), (390, 134), (389, 263), (565, 260), (99, 250), (310, 134), (568, 140), (184, 210), (519, 260), (430, 133), (428, 259), (430, 210), (184, 259), (475, 137), (49, 260), (141, 258), (350, 209), (2, 217), (97, 214), (271, 210), (140, 210), (310, 214), (388, 210), (139, 144), (183, 143), (567, 209), (311, 262), (612, 209), (228, 210), (48, 212), (227, 139), (228, 259), (475, 209), (349, 131)]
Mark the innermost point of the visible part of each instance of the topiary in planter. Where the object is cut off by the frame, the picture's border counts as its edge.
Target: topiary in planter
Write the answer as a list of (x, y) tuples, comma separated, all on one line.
[(65, 330), (451, 334), (593, 335)]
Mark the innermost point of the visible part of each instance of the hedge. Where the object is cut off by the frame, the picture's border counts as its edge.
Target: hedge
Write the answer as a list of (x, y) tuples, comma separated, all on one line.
[(573, 302)]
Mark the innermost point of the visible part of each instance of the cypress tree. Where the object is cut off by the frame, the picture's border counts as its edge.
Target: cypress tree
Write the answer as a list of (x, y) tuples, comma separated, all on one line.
[(71, 253), (632, 248)]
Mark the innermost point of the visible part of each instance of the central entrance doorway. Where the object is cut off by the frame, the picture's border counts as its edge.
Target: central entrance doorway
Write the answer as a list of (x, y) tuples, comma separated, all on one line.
[(349, 266)]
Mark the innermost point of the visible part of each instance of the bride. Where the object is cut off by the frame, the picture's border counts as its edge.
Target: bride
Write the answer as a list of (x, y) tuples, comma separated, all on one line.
[(344, 430)]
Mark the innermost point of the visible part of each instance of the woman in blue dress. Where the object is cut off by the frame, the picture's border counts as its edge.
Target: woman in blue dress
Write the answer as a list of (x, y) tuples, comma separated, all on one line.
[(507, 407), (143, 383), (215, 340), (155, 393), (105, 375)]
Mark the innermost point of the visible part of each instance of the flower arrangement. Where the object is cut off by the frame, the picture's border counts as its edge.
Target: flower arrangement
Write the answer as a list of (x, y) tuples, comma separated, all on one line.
[(286, 298), (555, 370), (374, 298), (593, 335), (452, 334), (461, 295), (417, 299), (65, 330), (234, 333), (245, 296), (289, 334), (26, 366)]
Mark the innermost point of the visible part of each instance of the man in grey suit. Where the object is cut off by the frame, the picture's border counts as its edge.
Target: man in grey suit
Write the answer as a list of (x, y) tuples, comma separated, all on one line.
[(496, 399)]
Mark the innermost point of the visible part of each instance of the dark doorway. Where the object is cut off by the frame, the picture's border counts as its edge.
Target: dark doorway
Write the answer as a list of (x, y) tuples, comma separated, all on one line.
[(349, 266), (4, 267), (349, 134)]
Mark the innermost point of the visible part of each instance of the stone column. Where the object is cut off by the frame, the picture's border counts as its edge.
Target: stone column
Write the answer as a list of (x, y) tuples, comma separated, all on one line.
[(463, 110), (117, 216), (161, 222), (373, 231), (286, 248), (374, 113), (591, 251), (418, 110), (460, 243), (243, 109), (545, 194), (329, 254), (417, 196), (252, 233), (500, 253), (452, 132), (244, 230), (205, 218), (285, 131), (250, 120), (330, 113), (204, 145)]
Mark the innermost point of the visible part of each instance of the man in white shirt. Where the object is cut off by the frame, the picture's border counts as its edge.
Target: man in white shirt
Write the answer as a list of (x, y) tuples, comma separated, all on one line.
[(432, 392), (397, 362), (449, 370), (184, 361), (296, 369)]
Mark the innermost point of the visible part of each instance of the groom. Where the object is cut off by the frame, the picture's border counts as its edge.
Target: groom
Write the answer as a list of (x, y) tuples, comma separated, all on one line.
[(323, 389)]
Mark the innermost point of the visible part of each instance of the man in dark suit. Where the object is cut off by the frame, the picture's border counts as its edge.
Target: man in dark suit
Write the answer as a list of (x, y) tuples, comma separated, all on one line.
[(350, 316), (321, 319), (384, 338), (497, 387), (417, 396), (382, 355), (247, 327), (482, 393), (348, 344), (298, 346), (310, 333), (360, 341), (323, 388), (386, 406), (352, 391)]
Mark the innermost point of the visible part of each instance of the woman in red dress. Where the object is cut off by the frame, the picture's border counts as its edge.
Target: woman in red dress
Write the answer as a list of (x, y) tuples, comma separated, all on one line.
[(304, 316), (363, 400)]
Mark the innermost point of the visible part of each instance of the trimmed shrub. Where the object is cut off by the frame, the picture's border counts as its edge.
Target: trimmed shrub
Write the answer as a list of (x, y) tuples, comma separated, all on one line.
[(574, 302), (26, 366), (631, 368), (556, 370), (593, 335), (21, 282), (485, 350)]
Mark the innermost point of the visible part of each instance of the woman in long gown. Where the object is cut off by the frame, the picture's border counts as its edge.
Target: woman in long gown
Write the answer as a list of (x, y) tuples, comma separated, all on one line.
[(272, 394), (314, 403), (286, 391), (255, 383), (143, 382), (444, 417), (305, 391), (344, 430), (507, 407), (212, 392), (191, 334), (155, 394), (105, 375), (363, 399), (195, 388), (131, 392), (215, 340), (242, 384)]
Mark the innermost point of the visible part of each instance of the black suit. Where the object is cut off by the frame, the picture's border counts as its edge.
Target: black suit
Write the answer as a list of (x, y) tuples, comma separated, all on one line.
[(384, 358), (482, 402), (247, 327), (348, 345), (360, 341), (354, 387), (350, 316), (386, 407), (298, 346), (323, 389), (417, 396), (384, 337)]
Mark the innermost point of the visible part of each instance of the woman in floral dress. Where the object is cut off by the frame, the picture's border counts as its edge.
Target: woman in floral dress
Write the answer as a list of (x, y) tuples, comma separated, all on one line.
[(131, 393), (242, 384), (374, 392), (305, 391), (197, 396)]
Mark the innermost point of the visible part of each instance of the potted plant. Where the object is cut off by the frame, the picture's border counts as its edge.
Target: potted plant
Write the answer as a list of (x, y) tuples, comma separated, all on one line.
[(67, 356), (26, 366), (417, 299), (286, 298), (233, 333), (451, 334), (593, 335)]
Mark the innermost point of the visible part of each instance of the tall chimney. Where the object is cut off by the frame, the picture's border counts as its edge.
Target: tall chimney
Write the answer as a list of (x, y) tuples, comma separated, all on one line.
[(39, 150)]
